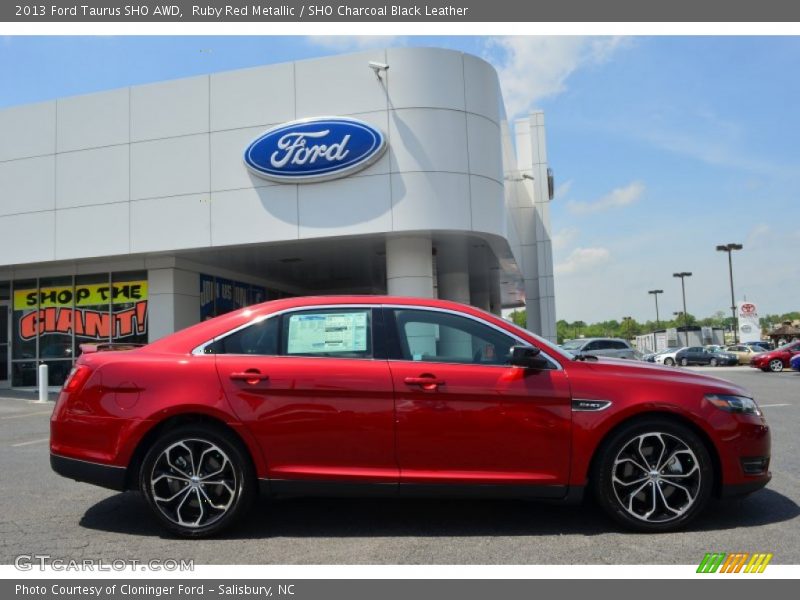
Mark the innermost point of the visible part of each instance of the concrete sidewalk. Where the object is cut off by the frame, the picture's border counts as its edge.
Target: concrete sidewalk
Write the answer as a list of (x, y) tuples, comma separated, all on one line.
[(27, 394)]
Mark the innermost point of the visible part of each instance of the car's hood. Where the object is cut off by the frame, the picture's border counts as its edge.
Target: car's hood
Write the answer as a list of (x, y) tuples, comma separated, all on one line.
[(645, 370)]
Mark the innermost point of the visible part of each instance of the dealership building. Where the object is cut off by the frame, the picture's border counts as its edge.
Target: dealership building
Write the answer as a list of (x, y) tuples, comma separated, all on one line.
[(128, 214)]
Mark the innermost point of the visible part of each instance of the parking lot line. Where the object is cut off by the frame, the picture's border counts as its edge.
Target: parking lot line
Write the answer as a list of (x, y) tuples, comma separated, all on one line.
[(28, 443), (41, 412), (771, 405)]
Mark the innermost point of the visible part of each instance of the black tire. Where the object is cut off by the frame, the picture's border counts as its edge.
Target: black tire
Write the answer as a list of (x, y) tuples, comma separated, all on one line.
[(670, 362), (235, 492), (684, 362), (714, 362), (776, 365), (608, 493)]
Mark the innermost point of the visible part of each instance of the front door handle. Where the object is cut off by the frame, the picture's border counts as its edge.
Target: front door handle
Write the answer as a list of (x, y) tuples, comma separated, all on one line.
[(426, 382), (250, 376)]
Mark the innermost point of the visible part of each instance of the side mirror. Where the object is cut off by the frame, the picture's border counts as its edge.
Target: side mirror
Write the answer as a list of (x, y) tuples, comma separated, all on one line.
[(528, 357)]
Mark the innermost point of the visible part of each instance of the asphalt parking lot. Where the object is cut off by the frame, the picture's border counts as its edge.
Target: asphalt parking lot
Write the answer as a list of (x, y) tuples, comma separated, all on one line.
[(42, 513)]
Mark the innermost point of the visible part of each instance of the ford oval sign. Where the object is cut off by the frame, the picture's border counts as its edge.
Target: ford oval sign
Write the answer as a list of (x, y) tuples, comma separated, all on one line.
[(316, 149)]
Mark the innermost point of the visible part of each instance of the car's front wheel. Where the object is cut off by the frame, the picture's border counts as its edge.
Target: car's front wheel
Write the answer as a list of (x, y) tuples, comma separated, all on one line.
[(653, 475), (776, 365), (684, 362), (670, 362), (198, 480), (714, 362)]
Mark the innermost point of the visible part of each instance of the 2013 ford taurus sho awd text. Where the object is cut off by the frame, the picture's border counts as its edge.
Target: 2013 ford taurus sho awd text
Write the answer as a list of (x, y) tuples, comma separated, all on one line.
[(393, 396)]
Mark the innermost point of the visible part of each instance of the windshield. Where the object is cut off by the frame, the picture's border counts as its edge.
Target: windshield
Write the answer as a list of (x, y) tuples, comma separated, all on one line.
[(572, 344), (790, 346)]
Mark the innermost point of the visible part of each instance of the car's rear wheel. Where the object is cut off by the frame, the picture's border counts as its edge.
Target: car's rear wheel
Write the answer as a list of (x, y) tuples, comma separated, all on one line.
[(653, 475), (198, 480), (670, 362), (714, 362), (684, 362), (776, 365)]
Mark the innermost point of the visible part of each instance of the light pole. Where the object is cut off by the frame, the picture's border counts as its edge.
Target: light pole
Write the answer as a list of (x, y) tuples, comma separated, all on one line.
[(729, 248), (683, 275), (655, 295)]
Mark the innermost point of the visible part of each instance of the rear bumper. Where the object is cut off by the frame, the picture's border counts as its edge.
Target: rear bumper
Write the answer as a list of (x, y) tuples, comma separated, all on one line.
[(107, 476)]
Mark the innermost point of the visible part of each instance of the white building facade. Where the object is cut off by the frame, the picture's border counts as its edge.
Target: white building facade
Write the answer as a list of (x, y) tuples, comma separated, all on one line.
[(126, 215)]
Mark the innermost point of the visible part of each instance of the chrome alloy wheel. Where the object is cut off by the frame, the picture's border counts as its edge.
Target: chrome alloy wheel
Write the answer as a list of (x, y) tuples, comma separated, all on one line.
[(656, 477), (193, 483), (776, 365)]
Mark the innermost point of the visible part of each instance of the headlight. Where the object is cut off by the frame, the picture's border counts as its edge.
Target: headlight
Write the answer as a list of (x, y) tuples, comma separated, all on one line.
[(734, 404)]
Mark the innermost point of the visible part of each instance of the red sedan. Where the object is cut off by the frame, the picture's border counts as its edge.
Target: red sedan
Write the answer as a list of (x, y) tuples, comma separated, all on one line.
[(395, 396), (776, 360)]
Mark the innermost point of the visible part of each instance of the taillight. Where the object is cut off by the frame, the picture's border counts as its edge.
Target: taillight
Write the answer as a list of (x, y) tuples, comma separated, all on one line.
[(76, 378)]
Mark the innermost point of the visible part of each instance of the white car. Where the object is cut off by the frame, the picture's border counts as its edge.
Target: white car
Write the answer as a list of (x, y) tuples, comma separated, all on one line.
[(668, 358)]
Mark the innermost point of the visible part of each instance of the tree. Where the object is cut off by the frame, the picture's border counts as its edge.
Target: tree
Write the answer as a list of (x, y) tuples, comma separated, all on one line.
[(519, 317)]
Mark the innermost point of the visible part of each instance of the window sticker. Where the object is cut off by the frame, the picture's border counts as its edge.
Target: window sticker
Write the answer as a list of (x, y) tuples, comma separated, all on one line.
[(329, 332)]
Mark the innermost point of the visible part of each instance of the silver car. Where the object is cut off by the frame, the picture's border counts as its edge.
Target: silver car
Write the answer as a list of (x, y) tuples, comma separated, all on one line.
[(612, 347)]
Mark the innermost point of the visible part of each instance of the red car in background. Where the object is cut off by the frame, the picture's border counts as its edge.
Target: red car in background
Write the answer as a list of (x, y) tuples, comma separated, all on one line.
[(776, 360), (398, 396)]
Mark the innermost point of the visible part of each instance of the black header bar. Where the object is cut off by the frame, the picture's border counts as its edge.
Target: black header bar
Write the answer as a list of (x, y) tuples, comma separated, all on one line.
[(176, 11)]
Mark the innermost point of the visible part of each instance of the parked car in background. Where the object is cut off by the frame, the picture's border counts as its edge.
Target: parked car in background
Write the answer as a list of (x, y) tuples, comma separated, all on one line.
[(743, 352), (698, 355), (397, 396), (761, 346), (651, 356), (795, 362), (776, 360), (667, 357), (613, 347)]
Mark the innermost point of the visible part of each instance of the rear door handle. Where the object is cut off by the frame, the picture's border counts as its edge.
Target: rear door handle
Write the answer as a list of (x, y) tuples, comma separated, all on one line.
[(251, 376), (426, 383)]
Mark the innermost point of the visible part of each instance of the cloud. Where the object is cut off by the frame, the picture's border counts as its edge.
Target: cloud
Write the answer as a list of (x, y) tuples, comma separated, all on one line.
[(757, 235), (343, 43), (535, 67), (617, 198), (564, 238), (696, 133), (582, 259), (562, 190)]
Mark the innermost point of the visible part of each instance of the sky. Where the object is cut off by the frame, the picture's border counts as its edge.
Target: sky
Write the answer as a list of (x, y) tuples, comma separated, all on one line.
[(662, 147)]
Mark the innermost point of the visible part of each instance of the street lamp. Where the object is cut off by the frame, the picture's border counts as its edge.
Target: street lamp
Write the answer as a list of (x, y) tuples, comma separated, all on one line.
[(683, 275), (655, 295), (729, 248)]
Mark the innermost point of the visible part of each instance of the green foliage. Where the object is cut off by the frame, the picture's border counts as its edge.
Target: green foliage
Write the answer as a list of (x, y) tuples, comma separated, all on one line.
[(769, 321), (630, 328), (518, 317)]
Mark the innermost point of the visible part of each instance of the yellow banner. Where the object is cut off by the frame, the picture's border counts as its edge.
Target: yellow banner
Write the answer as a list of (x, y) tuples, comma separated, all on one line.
[(82, 295)]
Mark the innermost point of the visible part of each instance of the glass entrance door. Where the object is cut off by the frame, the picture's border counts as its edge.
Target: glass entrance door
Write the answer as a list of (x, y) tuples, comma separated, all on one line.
[(4, 353)]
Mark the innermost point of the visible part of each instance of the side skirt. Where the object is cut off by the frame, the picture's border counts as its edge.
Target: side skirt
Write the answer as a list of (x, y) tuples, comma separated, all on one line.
[(284, 488)]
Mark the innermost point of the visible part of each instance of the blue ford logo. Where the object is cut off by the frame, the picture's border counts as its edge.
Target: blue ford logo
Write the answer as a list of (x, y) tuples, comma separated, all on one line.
[(317, 149)]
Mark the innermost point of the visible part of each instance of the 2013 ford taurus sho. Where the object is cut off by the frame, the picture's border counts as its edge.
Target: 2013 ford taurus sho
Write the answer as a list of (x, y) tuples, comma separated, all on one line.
[(394, 396)]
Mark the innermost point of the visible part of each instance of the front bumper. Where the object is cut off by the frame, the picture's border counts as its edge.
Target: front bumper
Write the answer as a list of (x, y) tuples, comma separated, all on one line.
[(742, 489), (107, 476)]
